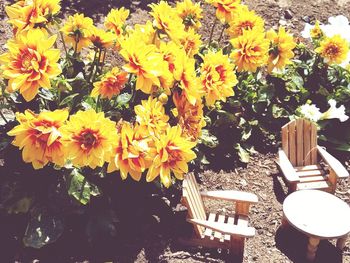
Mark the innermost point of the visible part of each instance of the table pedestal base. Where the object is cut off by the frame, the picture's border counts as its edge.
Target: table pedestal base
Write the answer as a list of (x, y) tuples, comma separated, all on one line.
[(312, 248)]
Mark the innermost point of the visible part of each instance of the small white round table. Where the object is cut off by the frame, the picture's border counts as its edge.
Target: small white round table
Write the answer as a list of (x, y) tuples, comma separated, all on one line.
[(319, 215)]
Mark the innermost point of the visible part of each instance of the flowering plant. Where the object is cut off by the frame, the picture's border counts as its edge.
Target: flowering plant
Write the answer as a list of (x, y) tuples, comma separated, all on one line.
[(173, 99)]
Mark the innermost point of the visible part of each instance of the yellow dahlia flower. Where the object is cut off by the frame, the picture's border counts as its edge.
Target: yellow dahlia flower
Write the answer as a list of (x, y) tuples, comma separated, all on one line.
[(244, 21), (190, 41), (217, 77), (101, 39), (166, 19), (250, 50), (145, 34), (316, 32), (77, 31), (225, 9), (172, 54), (151, 116), (116, 19), (30, 63), (111, 84), (132, 154), (333, 50), (282, 45), (188, 81), (144, 62), (29, 14), (190, 13), (39, 137), (189, 117), (89, 139), (172, 153)]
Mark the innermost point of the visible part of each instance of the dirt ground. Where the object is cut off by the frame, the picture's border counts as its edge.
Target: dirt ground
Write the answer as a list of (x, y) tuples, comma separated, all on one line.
[(270, 244)]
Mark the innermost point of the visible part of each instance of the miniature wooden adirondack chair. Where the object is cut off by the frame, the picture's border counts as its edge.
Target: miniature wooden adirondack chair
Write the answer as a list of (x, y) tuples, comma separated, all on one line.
[(299, 159), (217, 231)]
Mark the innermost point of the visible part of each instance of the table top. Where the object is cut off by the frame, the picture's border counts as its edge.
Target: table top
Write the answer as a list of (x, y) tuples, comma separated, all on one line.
[(317, 213)]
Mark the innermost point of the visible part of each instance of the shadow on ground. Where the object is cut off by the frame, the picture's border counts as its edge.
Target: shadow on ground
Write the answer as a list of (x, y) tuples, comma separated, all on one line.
[(293, 244)]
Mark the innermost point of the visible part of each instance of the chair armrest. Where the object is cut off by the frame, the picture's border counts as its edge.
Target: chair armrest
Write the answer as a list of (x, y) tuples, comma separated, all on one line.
[(333, 163), (287, 167), (228, 229), (231, 195)]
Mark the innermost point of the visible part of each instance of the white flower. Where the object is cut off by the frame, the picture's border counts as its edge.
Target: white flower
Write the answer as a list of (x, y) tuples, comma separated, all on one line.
[(335, 113), (346, 62), (338, 25), (311, 112), (306, 32)]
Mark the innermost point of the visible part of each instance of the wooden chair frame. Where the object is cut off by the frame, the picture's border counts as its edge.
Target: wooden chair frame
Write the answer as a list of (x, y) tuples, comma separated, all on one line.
[(299, 159), (217, 231)]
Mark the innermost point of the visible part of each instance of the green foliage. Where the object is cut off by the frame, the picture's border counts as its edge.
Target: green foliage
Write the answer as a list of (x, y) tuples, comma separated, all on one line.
[(80, 188)]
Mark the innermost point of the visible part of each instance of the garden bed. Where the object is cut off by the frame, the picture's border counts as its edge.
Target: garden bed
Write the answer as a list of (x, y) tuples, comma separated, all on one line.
[(154, 239)]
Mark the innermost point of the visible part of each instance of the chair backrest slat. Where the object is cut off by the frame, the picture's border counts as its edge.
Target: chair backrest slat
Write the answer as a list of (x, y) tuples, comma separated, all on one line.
[(299, 141), (313, 145), (193, 200), (292, 143), (307, 142), (299, 128)]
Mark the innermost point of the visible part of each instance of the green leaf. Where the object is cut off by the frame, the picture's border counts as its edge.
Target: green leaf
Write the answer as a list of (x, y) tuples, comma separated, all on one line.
[(67, 100), (208, 139), (278, 112), (123, 99), (242, 153), (246, 133), (42, 229), (21, 206), (88, 103), (204, 160), (81, 189), (47, 94), (225, 118), (4, 142)]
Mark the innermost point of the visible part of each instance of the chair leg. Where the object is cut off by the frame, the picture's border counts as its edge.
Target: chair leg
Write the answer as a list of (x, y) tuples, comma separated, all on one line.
[(341, 242), (312, 248), (292, 187), (284, 223), (333, 180), (237, 248)]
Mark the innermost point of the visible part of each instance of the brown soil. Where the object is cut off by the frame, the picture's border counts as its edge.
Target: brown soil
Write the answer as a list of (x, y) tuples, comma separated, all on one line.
[(260, 177)]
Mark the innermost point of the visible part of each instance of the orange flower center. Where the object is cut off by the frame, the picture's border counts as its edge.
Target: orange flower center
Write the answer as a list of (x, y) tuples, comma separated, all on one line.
[(246, 25), (135, 64), (41, 133), (30, 61), (221, 70), (332, 51), (189, 45), (88, 139), (174, 155)]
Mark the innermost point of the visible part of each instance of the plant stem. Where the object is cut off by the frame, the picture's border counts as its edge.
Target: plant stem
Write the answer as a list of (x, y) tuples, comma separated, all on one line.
[(99, 60), (93, 66), (97, 103), (97, 65), (222, 33), (3, 117), (103, 60), (76, 46), (212, 31), (64, 43)]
